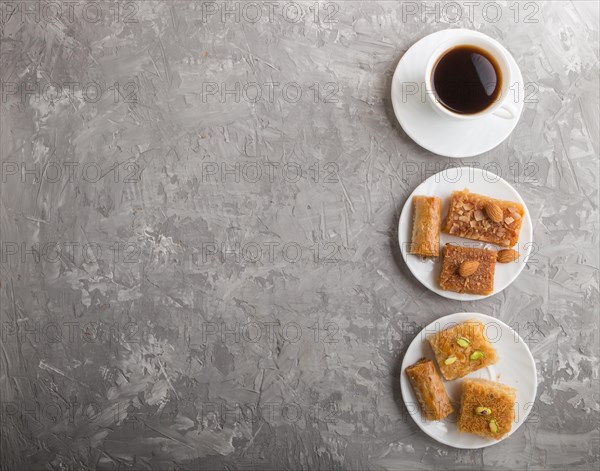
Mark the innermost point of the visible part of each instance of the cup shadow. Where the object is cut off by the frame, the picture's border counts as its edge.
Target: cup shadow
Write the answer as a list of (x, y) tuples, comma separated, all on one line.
[(387, 101)]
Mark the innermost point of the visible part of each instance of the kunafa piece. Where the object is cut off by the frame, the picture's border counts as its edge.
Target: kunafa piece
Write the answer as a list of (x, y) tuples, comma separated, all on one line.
[(429, 389), (487, 408), (462, 349), (427, 225), (483, 218), (468, 270)]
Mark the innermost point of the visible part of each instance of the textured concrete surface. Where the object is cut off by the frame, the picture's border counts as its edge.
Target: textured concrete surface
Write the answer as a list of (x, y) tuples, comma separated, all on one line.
[(198, 208)]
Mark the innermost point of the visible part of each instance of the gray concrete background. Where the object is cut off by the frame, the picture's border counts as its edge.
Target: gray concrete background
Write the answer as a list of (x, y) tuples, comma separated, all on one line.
[(194, 277)]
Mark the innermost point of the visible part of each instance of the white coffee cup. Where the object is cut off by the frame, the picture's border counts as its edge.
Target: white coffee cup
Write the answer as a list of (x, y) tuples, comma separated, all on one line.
[(504, 107)]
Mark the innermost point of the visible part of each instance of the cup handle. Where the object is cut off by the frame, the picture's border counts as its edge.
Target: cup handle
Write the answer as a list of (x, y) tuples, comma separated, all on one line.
[(507, 111)]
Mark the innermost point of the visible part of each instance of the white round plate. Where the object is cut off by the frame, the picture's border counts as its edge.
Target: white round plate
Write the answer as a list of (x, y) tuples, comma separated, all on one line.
[(516, 368), (427, 270), (441, 134)]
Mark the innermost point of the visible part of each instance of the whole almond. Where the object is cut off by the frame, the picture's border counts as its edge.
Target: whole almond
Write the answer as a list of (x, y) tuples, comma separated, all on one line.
[(493, 211), (507, 256), (468, 268)]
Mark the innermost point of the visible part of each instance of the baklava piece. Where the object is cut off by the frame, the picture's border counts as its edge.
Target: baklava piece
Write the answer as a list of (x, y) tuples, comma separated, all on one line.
[(429, 389), (427, 225), (468, 270), (483, 218), (487, 408), (462, 349)]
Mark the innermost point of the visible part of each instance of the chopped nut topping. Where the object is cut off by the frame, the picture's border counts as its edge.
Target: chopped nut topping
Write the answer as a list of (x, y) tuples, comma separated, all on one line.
[(483, 218)]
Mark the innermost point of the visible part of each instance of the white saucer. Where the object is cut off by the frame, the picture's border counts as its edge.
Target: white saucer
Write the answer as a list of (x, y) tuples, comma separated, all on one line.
[(480, 181), (440, 134), (516, 368)]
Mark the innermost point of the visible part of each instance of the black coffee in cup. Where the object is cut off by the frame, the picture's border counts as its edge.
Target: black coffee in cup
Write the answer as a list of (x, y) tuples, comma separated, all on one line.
[(467, 79)]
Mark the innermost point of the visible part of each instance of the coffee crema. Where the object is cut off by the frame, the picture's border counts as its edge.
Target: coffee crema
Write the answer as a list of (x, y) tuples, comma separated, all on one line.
[(467, 79)]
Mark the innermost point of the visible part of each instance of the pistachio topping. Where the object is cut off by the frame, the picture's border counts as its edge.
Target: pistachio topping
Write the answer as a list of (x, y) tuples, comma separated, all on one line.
[(450, 360), (476, 355), (493, 426), (462, 342), (483, 410)]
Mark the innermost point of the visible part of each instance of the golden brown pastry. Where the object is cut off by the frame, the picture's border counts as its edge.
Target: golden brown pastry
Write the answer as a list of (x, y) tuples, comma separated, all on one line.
[(462, 349), (483, 218), (468, 270), (429, 389), (427, 222), (487, 408)]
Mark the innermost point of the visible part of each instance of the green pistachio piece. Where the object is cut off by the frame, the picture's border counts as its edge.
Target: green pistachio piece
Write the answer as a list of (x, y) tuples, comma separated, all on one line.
[(476, 355), (450, 360)]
